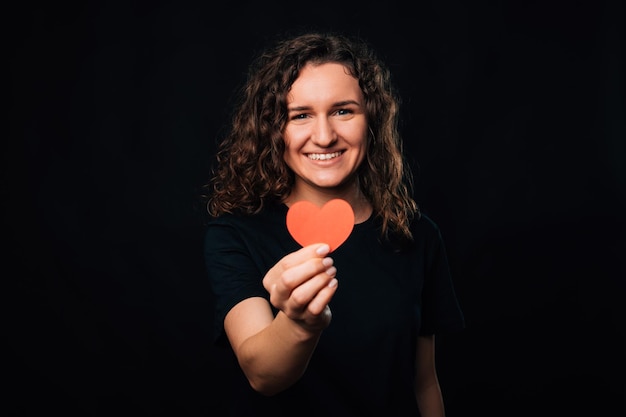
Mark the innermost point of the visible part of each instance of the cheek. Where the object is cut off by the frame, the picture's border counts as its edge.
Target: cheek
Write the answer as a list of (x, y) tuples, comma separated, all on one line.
[(290, 139), (359, 139), (355, 132), (290, 149), (294, 140), (363, 147)]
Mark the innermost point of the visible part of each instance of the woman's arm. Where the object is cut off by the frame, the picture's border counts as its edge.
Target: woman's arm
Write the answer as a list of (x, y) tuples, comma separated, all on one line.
[(274, 352), (427, 389)]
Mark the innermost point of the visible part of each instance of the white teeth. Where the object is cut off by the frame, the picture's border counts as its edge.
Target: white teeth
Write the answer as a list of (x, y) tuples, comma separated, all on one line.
[(323, 156)]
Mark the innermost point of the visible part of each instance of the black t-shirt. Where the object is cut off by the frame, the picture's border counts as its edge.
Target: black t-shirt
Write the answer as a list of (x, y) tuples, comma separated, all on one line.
[(364, 362)]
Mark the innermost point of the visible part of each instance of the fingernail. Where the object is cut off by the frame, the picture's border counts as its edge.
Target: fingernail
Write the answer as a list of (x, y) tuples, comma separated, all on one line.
[(327, 261), (323, 250), (331, 271), (333, 283)]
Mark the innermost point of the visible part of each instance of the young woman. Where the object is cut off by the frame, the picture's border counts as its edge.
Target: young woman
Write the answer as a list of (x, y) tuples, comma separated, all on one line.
[(347, 333)]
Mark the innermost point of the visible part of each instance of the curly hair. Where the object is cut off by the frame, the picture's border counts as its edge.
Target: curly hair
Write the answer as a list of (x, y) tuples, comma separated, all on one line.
[(249, 170)]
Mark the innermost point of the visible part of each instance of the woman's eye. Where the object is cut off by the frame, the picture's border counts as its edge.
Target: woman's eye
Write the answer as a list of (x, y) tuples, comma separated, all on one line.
[(299, 116), (342, 112)]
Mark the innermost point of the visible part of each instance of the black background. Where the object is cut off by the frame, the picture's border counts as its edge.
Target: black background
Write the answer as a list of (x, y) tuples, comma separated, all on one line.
[(513, 117)]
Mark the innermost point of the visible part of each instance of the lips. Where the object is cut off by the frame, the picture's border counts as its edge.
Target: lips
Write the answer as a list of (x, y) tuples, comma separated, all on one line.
[(323, 156)]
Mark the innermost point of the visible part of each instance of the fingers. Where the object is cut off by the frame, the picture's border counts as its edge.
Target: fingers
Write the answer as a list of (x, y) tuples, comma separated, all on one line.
[(303, 282), (319, 304), (318, 250), (303, 260), (312, 312), (298, 285), (304, 274), (305, 293)]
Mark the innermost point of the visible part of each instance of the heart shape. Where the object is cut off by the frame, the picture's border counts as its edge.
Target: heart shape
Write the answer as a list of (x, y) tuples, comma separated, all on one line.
[(331, 224)]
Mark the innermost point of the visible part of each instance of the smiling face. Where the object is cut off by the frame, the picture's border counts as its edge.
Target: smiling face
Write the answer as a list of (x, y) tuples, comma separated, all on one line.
[(326, 132)]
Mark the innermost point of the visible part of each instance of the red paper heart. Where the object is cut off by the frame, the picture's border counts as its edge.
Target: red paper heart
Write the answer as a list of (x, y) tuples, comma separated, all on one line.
[(331, 224)]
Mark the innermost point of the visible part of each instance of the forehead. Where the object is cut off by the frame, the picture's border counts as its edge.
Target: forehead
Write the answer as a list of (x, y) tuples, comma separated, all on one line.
[(328, 81)]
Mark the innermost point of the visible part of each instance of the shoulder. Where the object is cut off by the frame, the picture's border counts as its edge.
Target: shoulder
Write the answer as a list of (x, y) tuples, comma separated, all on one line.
[(425, 227), (259, 229), (267, 217), (261, 237)]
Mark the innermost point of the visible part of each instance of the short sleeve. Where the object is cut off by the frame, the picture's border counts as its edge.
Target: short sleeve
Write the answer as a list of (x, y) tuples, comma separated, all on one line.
[(441, 310), (232, 273)]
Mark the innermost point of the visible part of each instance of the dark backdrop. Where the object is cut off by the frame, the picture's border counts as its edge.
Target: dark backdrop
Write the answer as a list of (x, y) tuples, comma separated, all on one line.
[(513, 116)]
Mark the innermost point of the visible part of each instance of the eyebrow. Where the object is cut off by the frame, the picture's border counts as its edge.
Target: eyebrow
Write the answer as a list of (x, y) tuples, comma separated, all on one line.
[(337, 104)]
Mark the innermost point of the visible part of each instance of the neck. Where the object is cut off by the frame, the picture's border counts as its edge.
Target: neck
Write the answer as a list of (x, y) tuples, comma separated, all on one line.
[(353, 195)]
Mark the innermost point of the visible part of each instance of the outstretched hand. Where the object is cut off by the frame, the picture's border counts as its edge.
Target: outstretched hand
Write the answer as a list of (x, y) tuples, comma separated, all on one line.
[(302, 284)]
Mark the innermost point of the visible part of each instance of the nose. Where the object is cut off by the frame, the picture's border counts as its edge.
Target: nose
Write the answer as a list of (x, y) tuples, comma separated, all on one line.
[(323, 133)]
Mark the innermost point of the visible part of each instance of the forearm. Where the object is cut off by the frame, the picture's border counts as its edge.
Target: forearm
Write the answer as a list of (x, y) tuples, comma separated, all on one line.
[(277, 356), (430, 400), (427, 389)]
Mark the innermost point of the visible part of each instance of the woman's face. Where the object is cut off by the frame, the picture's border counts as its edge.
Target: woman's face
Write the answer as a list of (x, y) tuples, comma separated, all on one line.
[(326, 131)]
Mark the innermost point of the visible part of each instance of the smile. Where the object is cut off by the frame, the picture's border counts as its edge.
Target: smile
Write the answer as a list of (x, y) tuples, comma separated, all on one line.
[(323, 156)]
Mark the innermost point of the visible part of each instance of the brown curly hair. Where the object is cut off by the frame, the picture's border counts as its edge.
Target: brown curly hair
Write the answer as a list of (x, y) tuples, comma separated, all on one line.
[(249, 170)]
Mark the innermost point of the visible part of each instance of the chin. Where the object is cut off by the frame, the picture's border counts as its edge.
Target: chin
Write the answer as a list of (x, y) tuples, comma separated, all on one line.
[(328, 183)]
